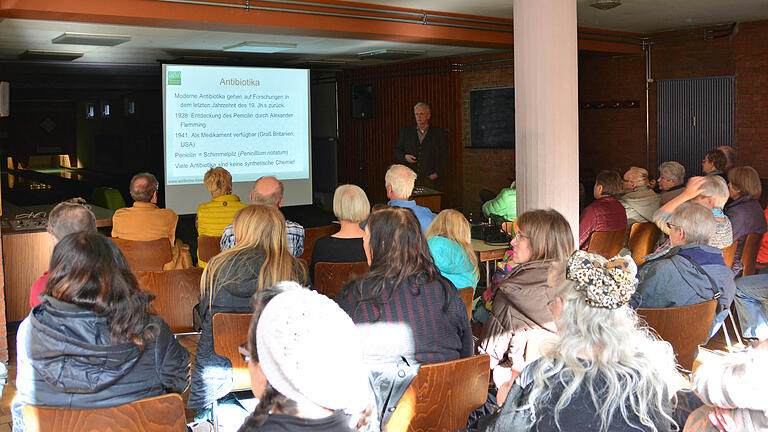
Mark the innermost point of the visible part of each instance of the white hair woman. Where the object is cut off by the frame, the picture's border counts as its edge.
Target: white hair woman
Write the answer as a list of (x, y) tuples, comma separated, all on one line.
[(606, 372), (351, 207), (638, 198)]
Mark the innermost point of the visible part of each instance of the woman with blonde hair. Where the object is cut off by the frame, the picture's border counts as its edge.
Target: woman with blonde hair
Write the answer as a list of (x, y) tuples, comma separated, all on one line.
[(520, 309), (450, 243), (606, 372), (351, 207), (215, 215), (259, 260)]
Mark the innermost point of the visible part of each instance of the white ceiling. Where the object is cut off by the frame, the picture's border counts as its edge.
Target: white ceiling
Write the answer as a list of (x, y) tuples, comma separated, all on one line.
[(149, 44)]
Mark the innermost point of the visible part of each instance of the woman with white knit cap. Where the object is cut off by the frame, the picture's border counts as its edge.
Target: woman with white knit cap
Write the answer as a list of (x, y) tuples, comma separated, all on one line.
[(306, 363)]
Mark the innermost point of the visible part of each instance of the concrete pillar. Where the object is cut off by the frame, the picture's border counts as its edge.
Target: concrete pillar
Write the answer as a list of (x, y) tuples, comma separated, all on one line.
[(546, 107)]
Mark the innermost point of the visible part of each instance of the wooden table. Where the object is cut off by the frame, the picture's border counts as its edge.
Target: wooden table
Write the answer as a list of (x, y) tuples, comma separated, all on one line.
[(27, 253), (428, 198), (487, 253)]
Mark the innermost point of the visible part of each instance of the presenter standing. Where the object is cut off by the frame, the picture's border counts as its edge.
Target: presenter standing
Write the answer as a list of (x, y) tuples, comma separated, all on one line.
[(421, 147)]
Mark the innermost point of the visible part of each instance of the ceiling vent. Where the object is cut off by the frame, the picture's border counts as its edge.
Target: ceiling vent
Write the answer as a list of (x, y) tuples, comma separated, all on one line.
[(605, 4), (390, 54), (90, 39), (260, 47), (47, 55)]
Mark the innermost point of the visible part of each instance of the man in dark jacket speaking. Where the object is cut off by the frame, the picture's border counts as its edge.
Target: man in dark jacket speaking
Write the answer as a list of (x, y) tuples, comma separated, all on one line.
[(421, 147)]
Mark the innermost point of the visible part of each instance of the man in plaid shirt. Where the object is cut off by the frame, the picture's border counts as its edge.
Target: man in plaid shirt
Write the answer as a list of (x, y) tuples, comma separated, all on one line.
[(269, 191)]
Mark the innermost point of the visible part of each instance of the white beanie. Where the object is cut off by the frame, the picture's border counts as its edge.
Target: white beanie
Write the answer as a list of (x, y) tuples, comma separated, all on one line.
[(309, 350)]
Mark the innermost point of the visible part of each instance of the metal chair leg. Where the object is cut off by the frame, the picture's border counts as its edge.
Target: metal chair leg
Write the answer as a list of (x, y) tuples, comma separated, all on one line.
[(215, 415), (735, 329)]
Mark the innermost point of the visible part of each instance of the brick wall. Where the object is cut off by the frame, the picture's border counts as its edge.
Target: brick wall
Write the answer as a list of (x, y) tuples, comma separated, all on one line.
[(484, 168), (750, 58)]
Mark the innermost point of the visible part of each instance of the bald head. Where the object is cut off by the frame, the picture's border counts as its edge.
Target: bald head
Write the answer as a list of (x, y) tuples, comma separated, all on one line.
[(267, 191), (67, 218), (144, 187)]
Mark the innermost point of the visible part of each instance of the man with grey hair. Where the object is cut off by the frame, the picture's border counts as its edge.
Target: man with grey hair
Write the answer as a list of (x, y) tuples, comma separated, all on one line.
[(399, 182), (421, 147), (671, 180), (66, 218), (269, 191), (692, 271)]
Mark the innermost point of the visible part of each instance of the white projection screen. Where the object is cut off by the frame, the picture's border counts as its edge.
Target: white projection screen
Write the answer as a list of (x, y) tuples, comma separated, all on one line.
[(252, 121)]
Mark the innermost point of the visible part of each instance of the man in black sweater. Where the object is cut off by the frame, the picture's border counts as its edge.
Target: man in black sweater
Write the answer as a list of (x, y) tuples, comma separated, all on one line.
[(421, 147)]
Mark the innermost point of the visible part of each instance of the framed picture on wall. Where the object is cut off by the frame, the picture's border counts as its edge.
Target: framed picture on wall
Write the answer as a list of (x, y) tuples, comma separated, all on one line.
[(492, 118)]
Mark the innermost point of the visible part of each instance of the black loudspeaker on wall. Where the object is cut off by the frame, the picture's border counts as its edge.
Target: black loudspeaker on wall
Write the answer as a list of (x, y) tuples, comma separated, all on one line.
[(362, 101)]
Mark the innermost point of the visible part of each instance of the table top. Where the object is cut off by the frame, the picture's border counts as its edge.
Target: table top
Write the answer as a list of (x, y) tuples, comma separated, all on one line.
[(488, 252), (420, 191), (39, 223)]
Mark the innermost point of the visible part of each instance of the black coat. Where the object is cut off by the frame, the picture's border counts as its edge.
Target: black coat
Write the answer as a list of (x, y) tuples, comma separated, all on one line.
[(66, 359), (430, 153)]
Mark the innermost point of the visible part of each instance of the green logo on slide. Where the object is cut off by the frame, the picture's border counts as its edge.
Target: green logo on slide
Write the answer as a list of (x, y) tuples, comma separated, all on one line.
[(174, 77)]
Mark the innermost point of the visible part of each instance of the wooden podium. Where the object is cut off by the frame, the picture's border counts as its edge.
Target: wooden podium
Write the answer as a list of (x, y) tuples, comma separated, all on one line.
[(428, 198)]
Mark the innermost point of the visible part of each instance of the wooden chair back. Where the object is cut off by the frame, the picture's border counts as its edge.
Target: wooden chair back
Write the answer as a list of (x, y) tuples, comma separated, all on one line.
[(442, 396), (145, 255), (749, 254), (729, 252), (310, 237), (642, 240), (176, 294), (330, 278), (156, 414), (607, 243), (208, 247), (467, 296), (684, 327), (229, 331)]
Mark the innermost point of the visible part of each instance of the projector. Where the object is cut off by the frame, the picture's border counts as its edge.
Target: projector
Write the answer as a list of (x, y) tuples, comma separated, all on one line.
[(489, 232)]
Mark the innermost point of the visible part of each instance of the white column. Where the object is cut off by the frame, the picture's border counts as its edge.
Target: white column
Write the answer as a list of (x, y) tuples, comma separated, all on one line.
[(546, 107)]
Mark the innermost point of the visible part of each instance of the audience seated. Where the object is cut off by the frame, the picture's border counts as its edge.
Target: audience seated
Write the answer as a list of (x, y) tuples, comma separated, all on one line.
[(750, 301), (714, 163), (351, 207), (66, 218), (399, 182), (450, 242), (671, 180), (733, 389), (711, 192), (744, 209), (91, 343), (521, 305), (692, 271), (308, 373), (638, 198), (145, 221), (605, 213), (269, 191), (259, 260), (606, 372), (215, 215), (504, 205), (408, 314)]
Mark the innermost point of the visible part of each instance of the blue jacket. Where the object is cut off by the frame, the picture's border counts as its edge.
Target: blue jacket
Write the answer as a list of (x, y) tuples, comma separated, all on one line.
[(423, 214), (452, 262)]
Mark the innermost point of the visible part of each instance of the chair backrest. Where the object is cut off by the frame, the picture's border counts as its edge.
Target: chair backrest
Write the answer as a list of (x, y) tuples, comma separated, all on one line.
[(729, 252), (145, 255), (330, 278), (467, 295), (312, 234), (229, 331), (607, 243), (684, 327), (176, 294), (749, 254), (642, 240), (208, 247), (442, 396), (156, 414)]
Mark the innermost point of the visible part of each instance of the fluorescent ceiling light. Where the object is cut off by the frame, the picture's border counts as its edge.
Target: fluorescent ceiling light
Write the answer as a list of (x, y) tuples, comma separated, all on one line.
[(90, 39), (50, 55), (260, 47), (390, 54)]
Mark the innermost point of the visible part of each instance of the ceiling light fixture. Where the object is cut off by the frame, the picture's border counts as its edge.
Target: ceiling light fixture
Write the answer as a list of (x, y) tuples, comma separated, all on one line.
[(90, 39), (50, 55), (390, 54), (260, 47), (605, 4)]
